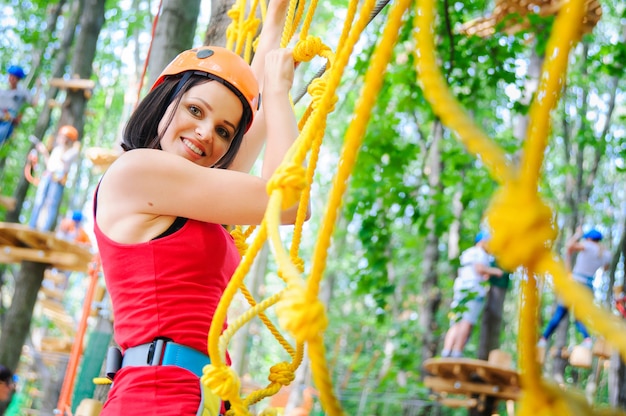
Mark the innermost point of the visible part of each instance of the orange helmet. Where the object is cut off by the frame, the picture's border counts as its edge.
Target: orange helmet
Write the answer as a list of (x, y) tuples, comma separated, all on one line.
[(222, 65), (70, 132)]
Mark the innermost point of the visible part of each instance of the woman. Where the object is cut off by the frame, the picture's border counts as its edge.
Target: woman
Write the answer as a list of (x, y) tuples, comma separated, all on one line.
[(161, 206), (59, 162), (469, 295)]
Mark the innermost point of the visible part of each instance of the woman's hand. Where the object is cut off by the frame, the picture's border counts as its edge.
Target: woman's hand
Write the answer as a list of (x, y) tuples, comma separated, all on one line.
[(279, 72)]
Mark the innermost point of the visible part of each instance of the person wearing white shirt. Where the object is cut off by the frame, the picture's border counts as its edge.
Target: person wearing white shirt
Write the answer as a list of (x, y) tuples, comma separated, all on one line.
[(469, 295), (52, 183)]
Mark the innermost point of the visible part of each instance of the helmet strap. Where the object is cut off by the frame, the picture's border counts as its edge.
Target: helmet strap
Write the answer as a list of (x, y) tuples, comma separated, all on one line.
[(180, 84)]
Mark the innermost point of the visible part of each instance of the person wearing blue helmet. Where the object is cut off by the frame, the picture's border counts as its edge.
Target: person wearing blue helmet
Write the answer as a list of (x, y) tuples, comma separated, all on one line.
[(469, 295), (591, 256), (12, 102)]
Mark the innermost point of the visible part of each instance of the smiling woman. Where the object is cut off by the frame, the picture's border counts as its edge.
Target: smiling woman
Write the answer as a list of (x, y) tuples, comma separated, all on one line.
[(161, 206)]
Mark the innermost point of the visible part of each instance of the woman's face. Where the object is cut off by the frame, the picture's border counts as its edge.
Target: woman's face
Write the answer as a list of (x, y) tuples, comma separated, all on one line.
[(204, 123), (63, 140)]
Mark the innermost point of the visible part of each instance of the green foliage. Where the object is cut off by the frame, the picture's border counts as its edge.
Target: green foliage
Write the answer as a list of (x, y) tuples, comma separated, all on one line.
[(394, 202), (390, 199)]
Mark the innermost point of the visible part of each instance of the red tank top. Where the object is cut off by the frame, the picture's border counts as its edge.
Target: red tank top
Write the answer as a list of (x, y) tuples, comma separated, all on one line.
[(168, 287)]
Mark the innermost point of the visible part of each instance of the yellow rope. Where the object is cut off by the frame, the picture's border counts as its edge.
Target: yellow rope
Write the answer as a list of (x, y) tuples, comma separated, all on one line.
[(299, 310), (524, 238)]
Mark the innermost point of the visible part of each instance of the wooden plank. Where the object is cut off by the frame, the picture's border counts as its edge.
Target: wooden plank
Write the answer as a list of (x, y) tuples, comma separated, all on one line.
[(469, 388), (469, 369), (8, 239), (73, 84), (18, 254), (55, 278), (55, 312), (34, 239), (458, 402), (51, 344), (19, 243), (53, 294)]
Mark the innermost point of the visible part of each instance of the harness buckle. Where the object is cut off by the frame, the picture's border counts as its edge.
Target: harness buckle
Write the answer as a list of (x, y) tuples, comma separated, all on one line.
[(155, 353)]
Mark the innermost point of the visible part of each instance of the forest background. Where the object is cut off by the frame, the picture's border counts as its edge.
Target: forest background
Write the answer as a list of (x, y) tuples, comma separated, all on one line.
[(416, 197)]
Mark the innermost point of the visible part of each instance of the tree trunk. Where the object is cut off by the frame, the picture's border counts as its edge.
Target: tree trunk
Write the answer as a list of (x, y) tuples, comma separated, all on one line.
[(75, 102), (31, 274), (491, 322), (174, 33), (617, 380), (216, 30), (17, 320), (560, 342), (54, 11), (617, 369), (430, 285), (490, 328), (43, 121)]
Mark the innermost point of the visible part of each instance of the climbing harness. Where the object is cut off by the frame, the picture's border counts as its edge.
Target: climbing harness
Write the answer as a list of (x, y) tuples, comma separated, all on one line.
[(162, 351), (165, 352)]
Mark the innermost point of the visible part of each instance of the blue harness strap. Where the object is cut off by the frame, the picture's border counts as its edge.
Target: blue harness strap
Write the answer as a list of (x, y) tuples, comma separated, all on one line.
[(165, 352), (185, 357)]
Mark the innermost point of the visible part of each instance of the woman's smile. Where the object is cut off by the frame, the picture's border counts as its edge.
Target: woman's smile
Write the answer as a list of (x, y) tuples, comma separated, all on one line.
[(195, 149)]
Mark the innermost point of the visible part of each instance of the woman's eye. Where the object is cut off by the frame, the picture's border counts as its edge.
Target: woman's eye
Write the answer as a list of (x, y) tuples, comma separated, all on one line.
[(223, 133), (194, 110)]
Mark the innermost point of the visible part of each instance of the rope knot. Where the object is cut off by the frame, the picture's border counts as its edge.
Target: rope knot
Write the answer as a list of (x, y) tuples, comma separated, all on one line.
[(222, 380), (234, 13), (316, 91), (298, 262), (240, 240), (281, 373), (301, 314), (517, 215), (251, 26), (291, 180), (308, 48)]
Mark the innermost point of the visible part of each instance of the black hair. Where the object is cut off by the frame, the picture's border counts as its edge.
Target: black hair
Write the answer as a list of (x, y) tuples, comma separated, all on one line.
[(6, 375), (141, 130)]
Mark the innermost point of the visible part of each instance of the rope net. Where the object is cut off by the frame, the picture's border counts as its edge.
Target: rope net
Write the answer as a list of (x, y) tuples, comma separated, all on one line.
[(524, 238), (298, 307)]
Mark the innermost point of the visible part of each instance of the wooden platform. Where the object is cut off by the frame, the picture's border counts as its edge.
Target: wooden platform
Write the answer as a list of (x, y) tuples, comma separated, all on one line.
[(73, 83), (466, 381), (101, 157), (513, 15), (21, 243)]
